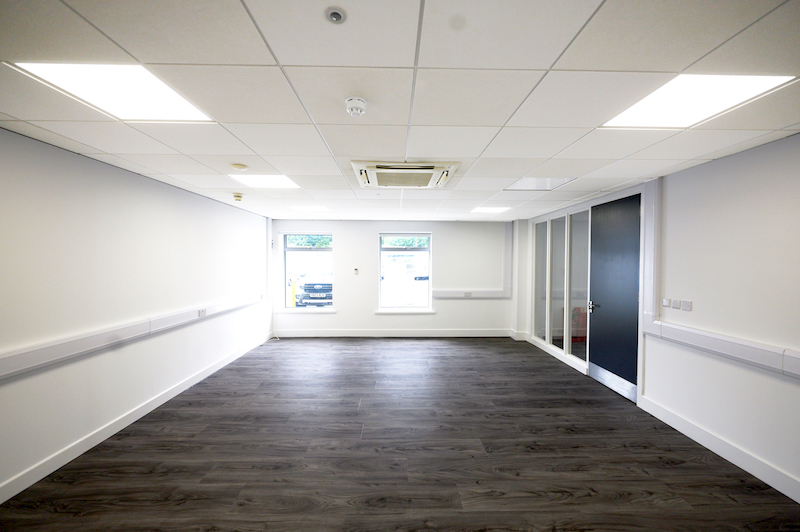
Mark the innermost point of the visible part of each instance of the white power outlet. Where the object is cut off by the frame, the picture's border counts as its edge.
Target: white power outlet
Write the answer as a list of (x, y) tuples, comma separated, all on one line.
[(686, 305), (201, 313), (676, 303)]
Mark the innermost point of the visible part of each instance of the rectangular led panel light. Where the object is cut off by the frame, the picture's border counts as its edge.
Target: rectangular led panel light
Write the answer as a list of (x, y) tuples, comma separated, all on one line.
[(264, 181), (127, 92), (691, 98)]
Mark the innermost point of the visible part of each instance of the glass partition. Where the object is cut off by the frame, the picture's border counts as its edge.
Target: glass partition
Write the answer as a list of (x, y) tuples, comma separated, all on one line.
[(558, 230), (540, 283), (579, 282)]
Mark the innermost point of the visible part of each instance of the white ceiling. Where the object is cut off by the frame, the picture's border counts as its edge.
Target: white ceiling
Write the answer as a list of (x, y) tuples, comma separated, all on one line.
[(508, 89)]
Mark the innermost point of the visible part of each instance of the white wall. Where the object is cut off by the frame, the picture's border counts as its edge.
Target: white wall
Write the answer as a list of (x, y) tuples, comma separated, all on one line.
[(731, 244), (89, 247), (465, 256)]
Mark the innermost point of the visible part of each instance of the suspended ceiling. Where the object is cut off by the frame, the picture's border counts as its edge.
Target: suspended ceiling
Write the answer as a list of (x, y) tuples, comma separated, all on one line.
[(507, 89)]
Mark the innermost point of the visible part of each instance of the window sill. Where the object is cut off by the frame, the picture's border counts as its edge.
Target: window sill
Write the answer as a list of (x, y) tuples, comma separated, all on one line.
[(405, 311), (306, 310)]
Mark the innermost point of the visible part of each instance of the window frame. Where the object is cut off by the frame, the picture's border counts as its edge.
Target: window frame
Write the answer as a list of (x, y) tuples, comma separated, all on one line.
[(305, 249), (428, 307)]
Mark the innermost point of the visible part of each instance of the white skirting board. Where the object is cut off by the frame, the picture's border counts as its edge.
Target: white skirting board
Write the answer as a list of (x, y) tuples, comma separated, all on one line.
[(769, 473), (38, 471)]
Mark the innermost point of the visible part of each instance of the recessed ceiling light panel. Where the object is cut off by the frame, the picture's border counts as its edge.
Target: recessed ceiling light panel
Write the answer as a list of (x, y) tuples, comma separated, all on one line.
[(127, 92), (691, 98)]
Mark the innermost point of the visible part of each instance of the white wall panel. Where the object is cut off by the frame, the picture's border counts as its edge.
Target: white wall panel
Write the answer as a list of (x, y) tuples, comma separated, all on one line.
[(88, 247)]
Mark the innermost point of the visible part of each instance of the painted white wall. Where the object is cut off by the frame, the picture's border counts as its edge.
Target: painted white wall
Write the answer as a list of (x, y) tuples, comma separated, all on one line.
[(87, 246), (731, 244), (465, 256)]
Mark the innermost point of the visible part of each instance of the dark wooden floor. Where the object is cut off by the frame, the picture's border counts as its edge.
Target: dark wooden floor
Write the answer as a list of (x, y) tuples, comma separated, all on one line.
[(389, 434)]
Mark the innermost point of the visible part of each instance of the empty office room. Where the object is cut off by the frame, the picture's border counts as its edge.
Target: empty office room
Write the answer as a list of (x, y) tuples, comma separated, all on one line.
[(399, 265)]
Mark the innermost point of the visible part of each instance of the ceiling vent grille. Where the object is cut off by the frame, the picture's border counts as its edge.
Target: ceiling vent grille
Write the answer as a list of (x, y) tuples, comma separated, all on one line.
[(403, 175)]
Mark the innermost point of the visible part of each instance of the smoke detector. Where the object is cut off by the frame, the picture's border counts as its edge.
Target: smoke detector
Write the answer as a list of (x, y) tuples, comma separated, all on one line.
[(356, 106)]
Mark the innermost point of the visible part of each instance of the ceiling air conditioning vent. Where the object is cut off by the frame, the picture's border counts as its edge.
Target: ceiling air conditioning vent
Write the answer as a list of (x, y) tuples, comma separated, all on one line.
[(403, 175)]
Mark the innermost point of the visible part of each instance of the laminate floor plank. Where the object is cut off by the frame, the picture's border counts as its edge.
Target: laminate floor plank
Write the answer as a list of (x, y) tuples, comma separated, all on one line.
[(374, 434)]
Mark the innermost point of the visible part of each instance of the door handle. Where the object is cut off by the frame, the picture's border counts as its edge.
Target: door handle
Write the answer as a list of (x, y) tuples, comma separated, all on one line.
[(590, 306)]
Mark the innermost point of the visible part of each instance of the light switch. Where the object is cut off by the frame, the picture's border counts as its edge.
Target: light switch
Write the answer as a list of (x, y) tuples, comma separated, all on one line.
[(666, 302), (676, 303), (686, 305)]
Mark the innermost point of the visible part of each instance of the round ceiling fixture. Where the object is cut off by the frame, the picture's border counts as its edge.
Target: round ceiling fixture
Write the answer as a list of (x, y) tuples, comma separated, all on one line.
[(238, 166), (335, 15), (356, 106)]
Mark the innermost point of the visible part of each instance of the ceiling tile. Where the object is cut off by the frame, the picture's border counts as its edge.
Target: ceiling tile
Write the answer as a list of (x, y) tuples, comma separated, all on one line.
[(37, 30), (425, 193), (524, 35), (631, 168), (424, 204), (585, 99), (499, 167), (54, 139), (179, 31), (449, 142), (323, 91), (382, 194), (377, 33), (533, 142), (695, 143), (243, 94), (366, 142), (294, 166), (223, 164), (293, 194), (280, 139), (658, 35), (170, 164), (614, 143), (110, 137), (564, 195), (466, 194), (198, 138), (459, 205), (484, 183), (128, 165), (593, 184), (27, 99), (763, 48), (211, 181), (568, 167), (520, 195), (470, 97), (328, 183), (331, 195), (773, 111)]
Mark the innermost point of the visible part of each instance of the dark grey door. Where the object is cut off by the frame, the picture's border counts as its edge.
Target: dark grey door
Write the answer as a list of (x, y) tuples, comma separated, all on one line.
[(614, 294)]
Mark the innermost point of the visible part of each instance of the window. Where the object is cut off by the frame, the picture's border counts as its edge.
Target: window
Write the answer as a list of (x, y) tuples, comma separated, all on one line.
[(308, 261), (405, 270)]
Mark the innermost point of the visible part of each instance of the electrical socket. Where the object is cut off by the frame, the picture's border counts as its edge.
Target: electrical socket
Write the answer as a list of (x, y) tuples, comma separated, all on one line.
[(676, 303), (201, 313), (686, 305)]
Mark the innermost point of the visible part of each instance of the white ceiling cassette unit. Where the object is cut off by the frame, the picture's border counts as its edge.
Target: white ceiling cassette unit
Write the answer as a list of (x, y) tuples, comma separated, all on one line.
[(403, 175)]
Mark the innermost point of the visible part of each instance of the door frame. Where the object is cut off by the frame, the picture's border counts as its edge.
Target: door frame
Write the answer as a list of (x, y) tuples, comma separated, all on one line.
[(649, 231)]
